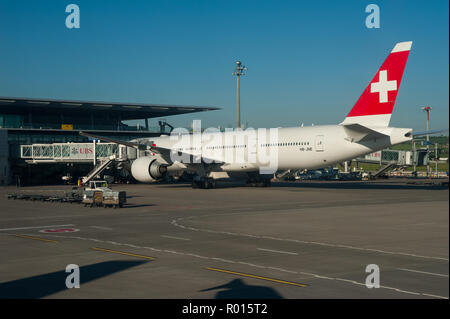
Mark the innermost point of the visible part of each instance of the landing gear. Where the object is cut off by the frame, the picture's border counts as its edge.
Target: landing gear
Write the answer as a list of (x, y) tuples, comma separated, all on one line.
[(258, 181), (259, 184), (204, 183)]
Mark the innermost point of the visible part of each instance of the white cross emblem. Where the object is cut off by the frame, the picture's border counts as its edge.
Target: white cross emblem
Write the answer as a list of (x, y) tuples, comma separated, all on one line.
[(383, 86)]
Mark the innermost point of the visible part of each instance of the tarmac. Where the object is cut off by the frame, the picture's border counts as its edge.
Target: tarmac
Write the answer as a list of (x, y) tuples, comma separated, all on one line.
[(295, 240)]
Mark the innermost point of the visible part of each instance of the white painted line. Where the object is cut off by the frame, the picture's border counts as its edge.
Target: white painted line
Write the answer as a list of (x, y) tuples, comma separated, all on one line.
[(435, 296), (259, 266), (281, 269), (423, 272), (20, 228), (278, 251), (176, 223), (101, 227), (173, 237)]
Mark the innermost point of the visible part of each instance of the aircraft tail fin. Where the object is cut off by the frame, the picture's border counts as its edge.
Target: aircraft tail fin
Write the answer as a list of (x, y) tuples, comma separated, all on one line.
[(374, 106)]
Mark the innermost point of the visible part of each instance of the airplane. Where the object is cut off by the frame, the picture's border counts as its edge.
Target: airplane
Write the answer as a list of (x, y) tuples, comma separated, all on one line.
[(255, 154)]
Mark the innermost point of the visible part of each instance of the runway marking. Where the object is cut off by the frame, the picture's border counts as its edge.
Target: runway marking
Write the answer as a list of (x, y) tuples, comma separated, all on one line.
[(21, 228), (122, 253), (283, 270), (423, 272), (176, 223), (59, 230), (173, 237), (278, 251), (257, 277), (435, 296), (101, 227), (41, 217), (253, 265), (37, 238)]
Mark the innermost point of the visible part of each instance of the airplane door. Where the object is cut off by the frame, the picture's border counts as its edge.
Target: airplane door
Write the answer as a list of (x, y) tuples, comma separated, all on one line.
[(319, 143), (251, 153)]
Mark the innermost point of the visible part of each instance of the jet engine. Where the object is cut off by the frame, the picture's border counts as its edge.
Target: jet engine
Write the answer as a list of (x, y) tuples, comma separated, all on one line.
[(147, 169)]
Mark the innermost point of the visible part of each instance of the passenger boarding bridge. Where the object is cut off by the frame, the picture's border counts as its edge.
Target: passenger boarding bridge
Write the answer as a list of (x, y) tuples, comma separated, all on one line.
[(101, 155), (72, 152)]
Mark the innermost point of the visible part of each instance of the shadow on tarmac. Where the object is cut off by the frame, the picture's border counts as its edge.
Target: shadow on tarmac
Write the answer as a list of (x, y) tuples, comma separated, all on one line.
[(137, 205), (330, 185), (238, 289), (44, 285), (359, 185)]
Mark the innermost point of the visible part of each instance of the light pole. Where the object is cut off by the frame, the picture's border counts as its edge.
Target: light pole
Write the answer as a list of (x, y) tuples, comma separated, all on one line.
[(428, 109), (436, 158), (238, 73)]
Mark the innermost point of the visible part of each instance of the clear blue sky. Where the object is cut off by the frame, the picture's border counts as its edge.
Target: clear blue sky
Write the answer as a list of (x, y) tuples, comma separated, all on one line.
[(308, 60)]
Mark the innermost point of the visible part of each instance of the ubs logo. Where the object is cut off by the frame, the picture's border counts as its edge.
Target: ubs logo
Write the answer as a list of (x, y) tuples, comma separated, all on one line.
[(81, 150), (85, 150)]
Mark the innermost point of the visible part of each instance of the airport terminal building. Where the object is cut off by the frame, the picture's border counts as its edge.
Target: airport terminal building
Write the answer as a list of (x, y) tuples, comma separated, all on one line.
[(27, 123)]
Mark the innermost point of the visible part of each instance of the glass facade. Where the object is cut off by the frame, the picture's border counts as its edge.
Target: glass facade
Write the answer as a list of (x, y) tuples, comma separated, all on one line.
[(11, 120), (88, 120), (36, 121)]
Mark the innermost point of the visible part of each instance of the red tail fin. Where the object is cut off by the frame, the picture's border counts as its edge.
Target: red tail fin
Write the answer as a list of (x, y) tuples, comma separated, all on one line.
[(374, 106)]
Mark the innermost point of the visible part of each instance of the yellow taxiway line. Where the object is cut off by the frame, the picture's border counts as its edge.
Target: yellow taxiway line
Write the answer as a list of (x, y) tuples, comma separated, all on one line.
[(122, 253), (257, 277), (37, 238)]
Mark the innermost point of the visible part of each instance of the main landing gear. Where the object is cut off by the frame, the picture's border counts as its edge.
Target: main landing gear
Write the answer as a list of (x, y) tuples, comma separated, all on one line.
[(252, 181), (261, 183), (205, 183), (257, 180)]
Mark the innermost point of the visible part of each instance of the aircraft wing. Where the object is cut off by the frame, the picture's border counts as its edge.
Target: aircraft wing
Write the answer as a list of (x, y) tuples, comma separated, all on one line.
[(107, 139), (357, 132)]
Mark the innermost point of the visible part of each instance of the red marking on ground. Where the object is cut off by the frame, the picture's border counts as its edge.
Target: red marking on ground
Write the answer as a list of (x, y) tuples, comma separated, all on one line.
[(59, 230)]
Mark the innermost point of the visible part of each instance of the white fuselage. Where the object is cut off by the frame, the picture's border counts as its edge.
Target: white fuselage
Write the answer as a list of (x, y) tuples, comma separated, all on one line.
[(288, 148)]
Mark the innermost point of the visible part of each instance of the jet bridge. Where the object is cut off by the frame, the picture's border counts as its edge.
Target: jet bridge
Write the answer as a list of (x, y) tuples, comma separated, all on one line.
[(72, 152), (388, 157), (101, 155), (401, 158)]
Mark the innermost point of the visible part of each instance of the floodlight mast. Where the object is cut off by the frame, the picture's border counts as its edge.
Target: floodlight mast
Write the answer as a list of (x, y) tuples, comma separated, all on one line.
[(240, 68), (428, 109)]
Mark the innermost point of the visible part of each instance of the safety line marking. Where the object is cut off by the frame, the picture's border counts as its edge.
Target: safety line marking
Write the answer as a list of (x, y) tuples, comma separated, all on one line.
[(37, 238), (277, 251), (122, 253), (423, 272), (173, 237), (257, 277), (20, 228)]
